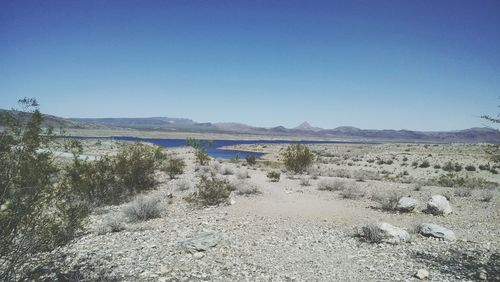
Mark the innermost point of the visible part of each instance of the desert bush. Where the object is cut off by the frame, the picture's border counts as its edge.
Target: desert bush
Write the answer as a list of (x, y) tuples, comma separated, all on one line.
[(184, 185), (95, 181), (405, 159), (242, 174), (143, 208), (352, 192), (484, 167), (36, 212), (425, 164), (110, 224), (211, 191), (342, 173), (453, 180), (327, 184), (414, 164), (297, 158), (449, 167), (314, 172), (201, 148), (371, 233), (388, 201), (463, 192), (363, 175), (274, 176), (305, 181), (437, 166), (135, 165), (419, 184), (246, 188), (174, 167), (226, 170), (251, 160), (486, 196), (470, 168)]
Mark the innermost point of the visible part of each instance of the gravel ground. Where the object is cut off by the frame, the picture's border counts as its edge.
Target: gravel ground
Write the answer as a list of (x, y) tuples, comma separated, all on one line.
[(288, 232)]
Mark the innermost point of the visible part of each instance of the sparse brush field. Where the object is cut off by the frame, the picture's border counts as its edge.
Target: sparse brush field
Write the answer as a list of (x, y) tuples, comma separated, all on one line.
[(299, 227)]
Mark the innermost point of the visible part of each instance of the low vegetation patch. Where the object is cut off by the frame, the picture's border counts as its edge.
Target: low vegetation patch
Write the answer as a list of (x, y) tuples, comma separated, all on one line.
[(201, 147), (251, 160), (174, 167), (332, 185), (297, 158), (453, 180), (305, 181), (211, 191), (246, 188), (143, 208), (388, 201), (352, 192), (274, 176), (242, 174), (111, 224)]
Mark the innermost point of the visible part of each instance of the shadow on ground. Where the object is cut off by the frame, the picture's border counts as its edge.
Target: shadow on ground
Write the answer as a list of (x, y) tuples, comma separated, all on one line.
[(475, 265)]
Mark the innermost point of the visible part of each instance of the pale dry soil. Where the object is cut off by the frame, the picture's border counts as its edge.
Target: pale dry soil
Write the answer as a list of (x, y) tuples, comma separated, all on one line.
[(290, 232)]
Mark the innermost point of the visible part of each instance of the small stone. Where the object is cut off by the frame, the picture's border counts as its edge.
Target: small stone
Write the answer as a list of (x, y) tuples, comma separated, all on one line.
[(483, 275), (198, 255), (422, 274)]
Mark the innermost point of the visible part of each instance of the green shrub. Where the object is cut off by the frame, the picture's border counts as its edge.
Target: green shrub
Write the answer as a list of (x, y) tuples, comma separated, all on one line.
[(297, 158), (251, 160), (425, 164), (484, 167), (135, 165), (211, 191), (94, 181), (449, 167), (174, 167), (201, 148), (453, 180), (36, 212), (274, 176), (470, 168)]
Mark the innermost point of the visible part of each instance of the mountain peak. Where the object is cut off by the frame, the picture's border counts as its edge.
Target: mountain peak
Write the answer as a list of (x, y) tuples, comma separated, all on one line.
[(307, 127)]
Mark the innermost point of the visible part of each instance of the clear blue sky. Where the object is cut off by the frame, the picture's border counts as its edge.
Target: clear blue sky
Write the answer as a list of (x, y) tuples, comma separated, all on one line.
[(412, 64)]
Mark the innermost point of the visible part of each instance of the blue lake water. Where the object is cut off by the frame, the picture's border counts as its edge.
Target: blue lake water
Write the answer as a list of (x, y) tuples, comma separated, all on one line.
[(215, 150)]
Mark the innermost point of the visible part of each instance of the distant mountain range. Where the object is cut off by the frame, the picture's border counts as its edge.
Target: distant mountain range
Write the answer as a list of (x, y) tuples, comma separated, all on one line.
[(304, 130)]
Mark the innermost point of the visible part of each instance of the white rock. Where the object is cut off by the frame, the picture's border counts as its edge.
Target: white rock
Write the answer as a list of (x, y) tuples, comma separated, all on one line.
[(385, 232), (438, 205), (434, 230), (198, 255), (406, 204), (422, 274)]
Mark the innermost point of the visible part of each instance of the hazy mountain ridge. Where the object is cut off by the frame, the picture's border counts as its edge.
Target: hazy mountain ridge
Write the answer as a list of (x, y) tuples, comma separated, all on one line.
[(478, 134), (304, 130)]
